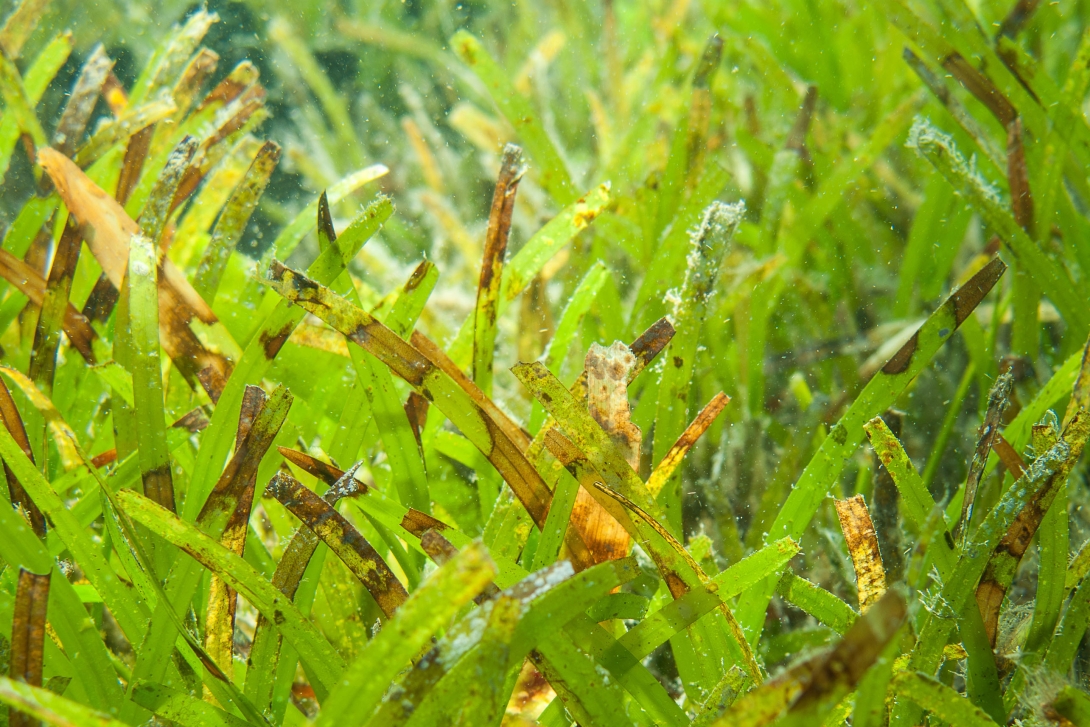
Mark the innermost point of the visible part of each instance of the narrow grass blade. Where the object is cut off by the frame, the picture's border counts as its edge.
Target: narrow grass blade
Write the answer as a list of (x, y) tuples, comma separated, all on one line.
[(18, 497), (674, 456), (81, 102), (427, 610), (526, 264), (43, 356), (219, 632), (709, 246), (28, 634), (160, 200), (878, 395), (495, 249), (18, 102), (232, 220), (147, 374), (816, 601)]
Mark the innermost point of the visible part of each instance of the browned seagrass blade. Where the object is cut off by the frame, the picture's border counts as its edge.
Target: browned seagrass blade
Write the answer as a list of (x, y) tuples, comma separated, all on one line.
[(28, 636), (608, 371), (863, 547), (107, 229)]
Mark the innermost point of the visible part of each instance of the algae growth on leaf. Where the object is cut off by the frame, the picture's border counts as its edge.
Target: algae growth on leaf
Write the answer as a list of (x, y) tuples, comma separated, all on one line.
[(660, 363)]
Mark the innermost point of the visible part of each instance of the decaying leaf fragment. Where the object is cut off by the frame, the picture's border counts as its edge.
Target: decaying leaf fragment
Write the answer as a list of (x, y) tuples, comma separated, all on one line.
[(185, 320), (863, 547), (608, 371)]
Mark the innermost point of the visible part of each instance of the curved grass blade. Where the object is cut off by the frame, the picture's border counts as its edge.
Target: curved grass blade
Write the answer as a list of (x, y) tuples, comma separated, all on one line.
[(878, 395), (1049, 275), (322, 661), (342, 538), (425, 377), (125, 608), (134, 126), (816, 601), (428, 609), (495, 248), (30, 283), (20, 547), (751, 666), (655, 630), (107, 229)]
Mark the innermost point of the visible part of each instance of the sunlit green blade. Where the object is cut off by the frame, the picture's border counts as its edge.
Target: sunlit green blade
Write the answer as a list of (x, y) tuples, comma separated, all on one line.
[(51, 708), (938, 699), (427, 610)]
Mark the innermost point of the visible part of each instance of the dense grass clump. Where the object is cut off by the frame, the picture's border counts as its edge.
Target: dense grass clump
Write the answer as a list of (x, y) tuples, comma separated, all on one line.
[(544, 363)]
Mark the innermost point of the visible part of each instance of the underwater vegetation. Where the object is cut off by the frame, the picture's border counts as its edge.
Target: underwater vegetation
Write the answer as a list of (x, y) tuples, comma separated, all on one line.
[(660, 363)]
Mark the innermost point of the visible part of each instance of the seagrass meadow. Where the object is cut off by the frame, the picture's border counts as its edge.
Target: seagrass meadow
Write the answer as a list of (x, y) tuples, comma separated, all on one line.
[(544, 363)]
